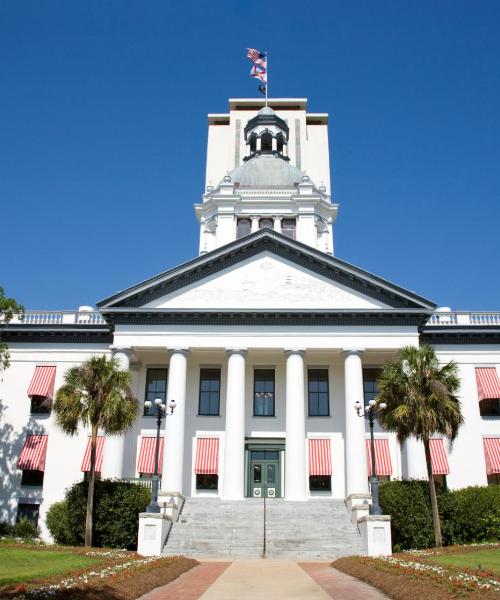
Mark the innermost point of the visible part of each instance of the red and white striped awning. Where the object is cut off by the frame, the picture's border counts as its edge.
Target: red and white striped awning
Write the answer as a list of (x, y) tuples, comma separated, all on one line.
[(320, 457), (146, 460), (32, 457), (492, 455), (439, 460), (42, 382), (383, 464), (207, 456), (98, 455), (488, 383)]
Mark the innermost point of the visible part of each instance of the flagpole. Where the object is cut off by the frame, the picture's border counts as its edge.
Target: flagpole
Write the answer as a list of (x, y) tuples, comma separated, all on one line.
[(267, 73)]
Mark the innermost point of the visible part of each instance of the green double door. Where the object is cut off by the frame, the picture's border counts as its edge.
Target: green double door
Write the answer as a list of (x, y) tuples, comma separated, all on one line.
[(265, 473)]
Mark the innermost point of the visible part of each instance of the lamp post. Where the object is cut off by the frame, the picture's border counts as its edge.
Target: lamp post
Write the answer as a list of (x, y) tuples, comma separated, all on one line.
[(161, 409), (369, 413)]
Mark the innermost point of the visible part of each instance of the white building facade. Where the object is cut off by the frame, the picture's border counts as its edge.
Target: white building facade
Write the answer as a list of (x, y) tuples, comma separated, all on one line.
[(265, 341)]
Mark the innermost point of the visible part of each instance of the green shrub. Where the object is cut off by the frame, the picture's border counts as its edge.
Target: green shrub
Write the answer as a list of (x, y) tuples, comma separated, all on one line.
[(25, 528), (117, 505), (471, 515), (5, 528), (468, 515), (59, 526), (411, 518)]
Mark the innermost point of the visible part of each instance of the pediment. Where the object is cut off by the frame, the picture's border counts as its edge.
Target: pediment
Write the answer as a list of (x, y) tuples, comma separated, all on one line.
[(265, 281), (265, 270)]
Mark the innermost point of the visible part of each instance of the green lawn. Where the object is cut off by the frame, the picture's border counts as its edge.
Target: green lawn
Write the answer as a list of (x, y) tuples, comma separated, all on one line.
[(487, 559), (20, 565)]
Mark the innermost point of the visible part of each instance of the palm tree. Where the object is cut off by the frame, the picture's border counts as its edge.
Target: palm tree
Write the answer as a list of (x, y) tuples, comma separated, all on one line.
[(421, 401), (95, 394)]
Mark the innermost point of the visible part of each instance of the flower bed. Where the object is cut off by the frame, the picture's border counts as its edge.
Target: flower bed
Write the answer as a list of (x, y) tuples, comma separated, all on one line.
[(414, 574), (118, 575)]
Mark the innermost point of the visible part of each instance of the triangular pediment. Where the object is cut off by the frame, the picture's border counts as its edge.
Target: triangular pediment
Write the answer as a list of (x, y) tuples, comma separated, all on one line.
[(266, 270), (265, 281)]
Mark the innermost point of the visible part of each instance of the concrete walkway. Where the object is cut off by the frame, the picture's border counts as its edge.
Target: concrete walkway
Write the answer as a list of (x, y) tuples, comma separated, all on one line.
[(257, 578)]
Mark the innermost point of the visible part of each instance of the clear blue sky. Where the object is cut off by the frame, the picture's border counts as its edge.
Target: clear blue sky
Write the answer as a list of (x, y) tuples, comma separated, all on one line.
[(103, 135)]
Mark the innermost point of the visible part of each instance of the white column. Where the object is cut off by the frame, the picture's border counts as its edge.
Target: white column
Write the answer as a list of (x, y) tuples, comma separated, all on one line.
[(255, 224), (173, 454), (355, 445), (295, 452), (114, 445), (234, 450), (277, 224)]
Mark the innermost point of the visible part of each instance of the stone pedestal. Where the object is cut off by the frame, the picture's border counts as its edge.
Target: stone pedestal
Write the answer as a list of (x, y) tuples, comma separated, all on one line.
[(153, 531), (375, 532)]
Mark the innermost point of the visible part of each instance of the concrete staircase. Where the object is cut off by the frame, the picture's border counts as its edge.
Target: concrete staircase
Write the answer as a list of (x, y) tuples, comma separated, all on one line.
[(214, 527)]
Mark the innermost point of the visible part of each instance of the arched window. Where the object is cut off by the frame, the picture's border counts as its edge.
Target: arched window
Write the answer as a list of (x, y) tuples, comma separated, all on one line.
[(244, 227), (266, 143), (288, 227), (266, 223)]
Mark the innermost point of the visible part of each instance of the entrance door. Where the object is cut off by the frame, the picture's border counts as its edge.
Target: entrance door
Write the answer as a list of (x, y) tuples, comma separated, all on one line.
[(265, 476)]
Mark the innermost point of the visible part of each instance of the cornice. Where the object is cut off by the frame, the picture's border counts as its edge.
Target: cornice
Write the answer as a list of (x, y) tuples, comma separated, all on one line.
[(460, 335)]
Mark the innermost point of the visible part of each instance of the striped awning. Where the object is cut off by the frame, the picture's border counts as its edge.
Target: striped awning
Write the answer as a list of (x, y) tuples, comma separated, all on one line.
[(42, 382), (146, 460), (207, 456), (492, 455), (383, 464), (320, 457), (98, 455), (32, 457), (439, 460), (488, 383)]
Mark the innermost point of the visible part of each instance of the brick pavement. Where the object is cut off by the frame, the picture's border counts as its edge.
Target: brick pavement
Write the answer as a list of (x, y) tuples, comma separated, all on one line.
[(340, 586)]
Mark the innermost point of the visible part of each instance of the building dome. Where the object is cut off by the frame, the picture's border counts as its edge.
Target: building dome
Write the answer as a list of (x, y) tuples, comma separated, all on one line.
[(266, 170)]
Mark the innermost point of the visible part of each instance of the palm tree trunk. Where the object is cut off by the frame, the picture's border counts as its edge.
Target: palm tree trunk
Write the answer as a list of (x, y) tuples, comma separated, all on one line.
[(434, 504), (90, 492)]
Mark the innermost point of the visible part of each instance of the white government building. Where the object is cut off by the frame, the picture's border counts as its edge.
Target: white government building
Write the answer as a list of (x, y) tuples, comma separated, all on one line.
[(265, 340)]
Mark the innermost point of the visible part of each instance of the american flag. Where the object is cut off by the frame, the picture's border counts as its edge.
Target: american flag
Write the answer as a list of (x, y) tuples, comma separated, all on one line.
[(258, 58)]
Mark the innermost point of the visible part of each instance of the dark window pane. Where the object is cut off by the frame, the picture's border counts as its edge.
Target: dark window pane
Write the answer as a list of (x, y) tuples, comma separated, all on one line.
[(271, 473), (318, 400), (489, 407), (271, 454), (156, 387), (40, 405), (244, 227), (209, 404), (320, 483), (370, 386), (257, 473), (33, 478), (288, 228), (258, 454), (28, 511), (264, 393), (207, 482)]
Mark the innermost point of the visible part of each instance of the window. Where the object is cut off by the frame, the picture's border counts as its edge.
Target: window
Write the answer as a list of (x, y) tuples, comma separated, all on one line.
[(33, 478), (266, 143), (263, 393), (244, 227), (207, 482), (156, 387), (209, 392), (440, 480), (288, 228), (490, 407), (269, 223), (370, 386), (28, 511), (320, 483), (317, 390), (494, 479), (40, 405), (86, 475)]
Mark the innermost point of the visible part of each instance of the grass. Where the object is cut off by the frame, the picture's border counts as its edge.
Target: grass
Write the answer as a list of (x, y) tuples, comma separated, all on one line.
[(482, 560), (28, 564)]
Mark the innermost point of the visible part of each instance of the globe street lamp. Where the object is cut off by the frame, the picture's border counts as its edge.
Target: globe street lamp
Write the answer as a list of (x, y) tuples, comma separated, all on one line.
[(370, 412), (161, 409)]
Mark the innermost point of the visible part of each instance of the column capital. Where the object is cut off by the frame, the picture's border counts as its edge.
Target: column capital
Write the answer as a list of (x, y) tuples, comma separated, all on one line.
[(183, 351), (290, 351), (352, 352), (231, 351), (123, 349)]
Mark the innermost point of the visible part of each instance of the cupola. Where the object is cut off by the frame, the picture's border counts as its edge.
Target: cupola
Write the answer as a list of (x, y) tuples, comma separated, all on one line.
[(266, 133)]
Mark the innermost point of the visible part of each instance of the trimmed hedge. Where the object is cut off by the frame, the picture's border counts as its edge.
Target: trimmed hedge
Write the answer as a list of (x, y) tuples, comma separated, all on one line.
[(469, 515), (24, 528), (117, 505)]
